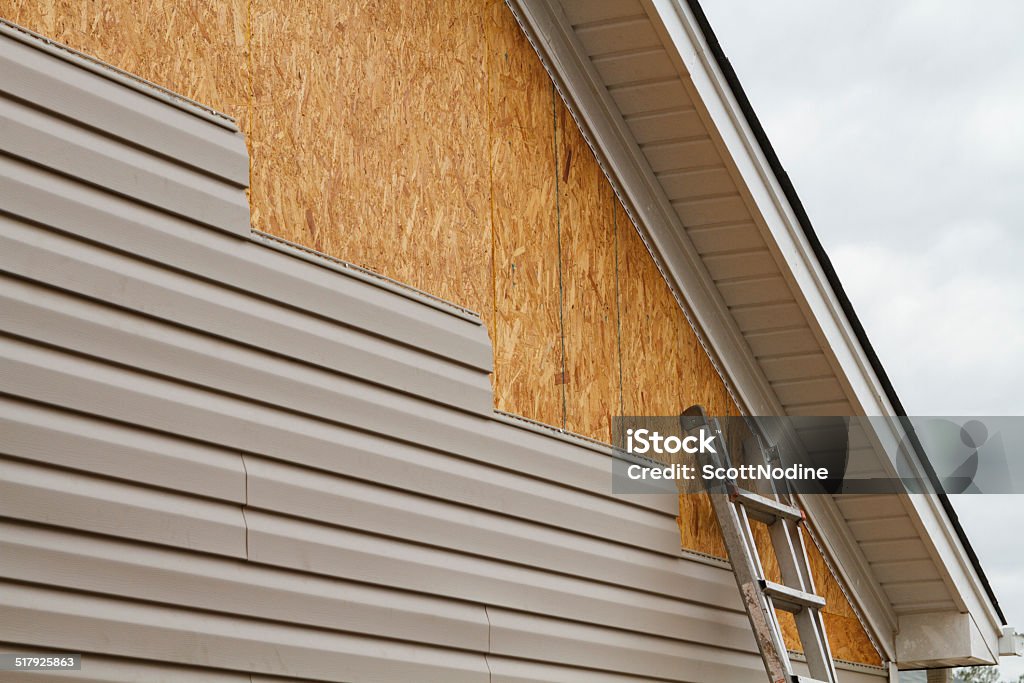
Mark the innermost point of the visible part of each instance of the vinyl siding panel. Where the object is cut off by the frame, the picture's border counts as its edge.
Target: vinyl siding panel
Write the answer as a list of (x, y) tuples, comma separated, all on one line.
[(226, 459), (170, 172), (89, 623), (72, 440), (92, 504), (114, 566), (33, 76)]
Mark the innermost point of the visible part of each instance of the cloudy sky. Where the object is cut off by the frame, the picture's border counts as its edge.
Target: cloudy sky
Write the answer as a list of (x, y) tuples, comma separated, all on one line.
[(902, 126)]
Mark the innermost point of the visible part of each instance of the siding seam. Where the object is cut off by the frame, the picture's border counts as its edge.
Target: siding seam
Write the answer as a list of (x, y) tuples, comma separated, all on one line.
[(245, 503), (487, 653), (618, 301)]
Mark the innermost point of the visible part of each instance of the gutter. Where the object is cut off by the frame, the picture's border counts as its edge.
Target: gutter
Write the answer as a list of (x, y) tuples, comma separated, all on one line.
[(833, 279)]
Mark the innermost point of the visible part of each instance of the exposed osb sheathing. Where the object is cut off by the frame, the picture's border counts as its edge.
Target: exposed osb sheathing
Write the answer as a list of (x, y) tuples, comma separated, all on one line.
[(846, 634), (425, 141), (661, 374), (664, 369), (526, 327), (369, 137), (587, 250)]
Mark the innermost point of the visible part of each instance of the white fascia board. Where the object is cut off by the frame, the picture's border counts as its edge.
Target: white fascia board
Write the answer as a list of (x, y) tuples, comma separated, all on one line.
[(783, 231), (641, 194)]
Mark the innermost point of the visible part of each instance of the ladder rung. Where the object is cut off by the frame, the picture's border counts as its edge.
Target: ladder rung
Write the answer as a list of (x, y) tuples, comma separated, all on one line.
[(790, 599), (763, 508), (805, 679)]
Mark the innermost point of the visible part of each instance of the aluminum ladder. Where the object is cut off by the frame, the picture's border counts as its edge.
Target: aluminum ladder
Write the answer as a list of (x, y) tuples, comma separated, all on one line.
[(772, 504)]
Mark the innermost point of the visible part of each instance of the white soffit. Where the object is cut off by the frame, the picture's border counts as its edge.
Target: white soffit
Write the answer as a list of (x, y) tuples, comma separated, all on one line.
[(638, 76)]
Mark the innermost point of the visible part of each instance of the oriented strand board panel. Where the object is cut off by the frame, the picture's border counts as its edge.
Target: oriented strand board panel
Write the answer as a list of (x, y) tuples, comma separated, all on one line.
[(664, 369), (847, 637), (370, 137), (846, 634), (367, 122), (193, 47), (589, 309), (657, 343), (526, 320)]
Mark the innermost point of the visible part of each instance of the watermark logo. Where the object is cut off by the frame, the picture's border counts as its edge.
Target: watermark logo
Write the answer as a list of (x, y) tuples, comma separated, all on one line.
[(966, 455), (815, 455), (644, 441)]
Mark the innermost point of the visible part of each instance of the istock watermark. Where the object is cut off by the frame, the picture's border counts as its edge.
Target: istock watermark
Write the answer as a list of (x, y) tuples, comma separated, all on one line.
[(647, 441), (821, 454)]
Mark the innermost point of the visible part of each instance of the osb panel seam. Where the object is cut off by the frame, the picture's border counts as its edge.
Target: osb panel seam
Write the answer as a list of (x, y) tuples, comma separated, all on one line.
[(558, 224), (528, 325), (618, 303), (588, 286)]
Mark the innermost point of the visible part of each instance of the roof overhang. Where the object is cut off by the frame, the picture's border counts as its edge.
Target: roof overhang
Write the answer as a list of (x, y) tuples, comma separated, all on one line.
[(660, 105)]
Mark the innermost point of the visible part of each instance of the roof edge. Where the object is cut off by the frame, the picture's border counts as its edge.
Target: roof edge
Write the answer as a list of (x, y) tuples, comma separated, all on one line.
[(761, 137)]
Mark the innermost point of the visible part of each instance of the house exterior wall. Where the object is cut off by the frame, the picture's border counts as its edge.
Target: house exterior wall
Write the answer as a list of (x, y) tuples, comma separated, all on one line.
[(591, 301), (425, 141), (471, 182)]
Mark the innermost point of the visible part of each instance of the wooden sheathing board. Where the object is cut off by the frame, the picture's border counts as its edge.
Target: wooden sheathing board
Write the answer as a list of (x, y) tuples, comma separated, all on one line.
[(664, 368), (525, 323), (847, 637), (370, 137), (426, 142), (658, 347), (589, 307)]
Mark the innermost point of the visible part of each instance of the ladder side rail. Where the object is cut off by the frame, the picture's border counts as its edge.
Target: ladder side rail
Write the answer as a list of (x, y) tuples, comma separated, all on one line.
[(794, 567), (795, 570), (760, 612), (739, 544), (774, 503)]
